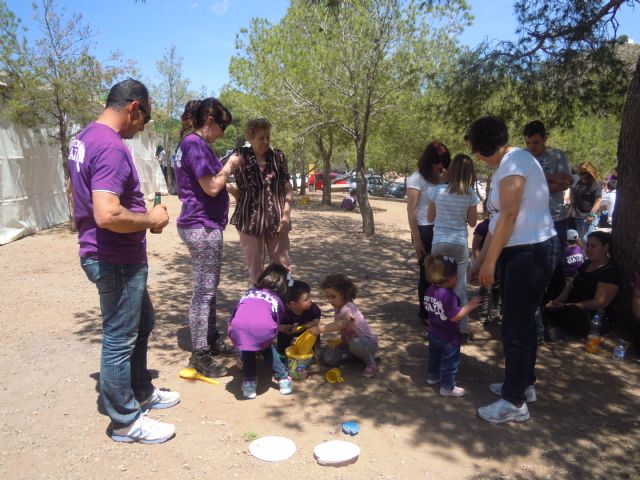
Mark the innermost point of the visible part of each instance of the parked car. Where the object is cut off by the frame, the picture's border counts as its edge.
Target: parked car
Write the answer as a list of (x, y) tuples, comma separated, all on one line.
[(316, 181), (375, 184), (397, 190)]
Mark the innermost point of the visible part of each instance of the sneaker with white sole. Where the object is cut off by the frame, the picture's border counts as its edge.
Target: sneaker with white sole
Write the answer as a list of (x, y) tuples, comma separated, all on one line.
[(160, 399), (453, 392), (502, 411), (433, 381), (144, 430), (249, 389), (285, 385), (529, 392)]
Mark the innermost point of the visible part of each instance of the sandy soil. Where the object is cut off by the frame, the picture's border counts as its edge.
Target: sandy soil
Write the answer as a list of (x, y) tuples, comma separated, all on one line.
[(584, 425)]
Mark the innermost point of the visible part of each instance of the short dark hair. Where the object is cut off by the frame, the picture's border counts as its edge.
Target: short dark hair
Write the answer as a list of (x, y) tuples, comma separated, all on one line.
[(274, 278), (295, 291), (125, 92), (341, 284), (256, 124), (534, 128), (487, 135), (604, 238)]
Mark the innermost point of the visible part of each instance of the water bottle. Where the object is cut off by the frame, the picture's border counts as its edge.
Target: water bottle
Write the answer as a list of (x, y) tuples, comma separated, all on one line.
[(619, 351), (593, 340), (156, 201)]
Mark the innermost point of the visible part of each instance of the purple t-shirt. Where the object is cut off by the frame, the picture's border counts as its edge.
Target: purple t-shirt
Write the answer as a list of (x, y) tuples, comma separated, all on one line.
[(441, 305), (194, 160), (254, 323), (573, 258), (99, 161)]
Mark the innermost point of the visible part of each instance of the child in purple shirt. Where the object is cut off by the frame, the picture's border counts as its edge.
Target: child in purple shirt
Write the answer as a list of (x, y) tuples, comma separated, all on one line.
[(573, 255), (254, 325), (444, 314)]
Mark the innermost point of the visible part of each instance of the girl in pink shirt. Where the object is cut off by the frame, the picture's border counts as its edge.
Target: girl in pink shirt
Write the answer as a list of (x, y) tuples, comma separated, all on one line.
[(358, 340)]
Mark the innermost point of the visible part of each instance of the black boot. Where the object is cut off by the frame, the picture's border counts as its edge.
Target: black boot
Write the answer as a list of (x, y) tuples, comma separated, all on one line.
[(205, 365), (219, 347)]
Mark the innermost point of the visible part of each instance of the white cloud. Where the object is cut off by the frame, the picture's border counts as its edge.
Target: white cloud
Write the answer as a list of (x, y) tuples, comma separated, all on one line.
[(220, 8), (193, 5)]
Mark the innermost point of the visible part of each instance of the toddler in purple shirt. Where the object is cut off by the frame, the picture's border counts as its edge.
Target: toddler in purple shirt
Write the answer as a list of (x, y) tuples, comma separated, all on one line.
[(254, 326), (444, 314)]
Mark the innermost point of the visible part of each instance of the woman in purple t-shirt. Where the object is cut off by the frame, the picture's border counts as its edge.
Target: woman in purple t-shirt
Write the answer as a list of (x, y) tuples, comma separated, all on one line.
[(201, 181)]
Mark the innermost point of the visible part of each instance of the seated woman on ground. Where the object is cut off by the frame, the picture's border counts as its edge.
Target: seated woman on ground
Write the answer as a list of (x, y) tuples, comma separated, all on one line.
[(593, 288)]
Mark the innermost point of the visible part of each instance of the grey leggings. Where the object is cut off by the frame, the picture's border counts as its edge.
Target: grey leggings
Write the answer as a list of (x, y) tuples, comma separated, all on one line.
[(358, 347), (205, 247)]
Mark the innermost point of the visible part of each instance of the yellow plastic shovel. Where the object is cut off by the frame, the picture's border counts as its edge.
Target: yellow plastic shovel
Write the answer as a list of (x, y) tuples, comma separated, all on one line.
[(192, 374)]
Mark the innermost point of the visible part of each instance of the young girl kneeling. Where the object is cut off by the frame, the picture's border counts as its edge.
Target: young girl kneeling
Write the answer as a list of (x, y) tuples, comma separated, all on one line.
[(444, 314), (358, 341), (254, 325)]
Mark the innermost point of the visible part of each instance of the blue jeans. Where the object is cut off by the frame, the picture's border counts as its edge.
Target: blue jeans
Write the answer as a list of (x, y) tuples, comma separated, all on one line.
[(525, 271), (127, 322), (444, 358), (270, 356)]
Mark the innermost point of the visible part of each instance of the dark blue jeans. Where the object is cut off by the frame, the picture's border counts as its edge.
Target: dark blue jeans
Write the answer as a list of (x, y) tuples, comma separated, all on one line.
[(525, 271), (270, 356), (444, 358), (127, 321)]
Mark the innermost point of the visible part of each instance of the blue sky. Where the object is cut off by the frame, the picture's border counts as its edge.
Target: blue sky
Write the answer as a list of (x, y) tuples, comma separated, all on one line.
[(204, 31)]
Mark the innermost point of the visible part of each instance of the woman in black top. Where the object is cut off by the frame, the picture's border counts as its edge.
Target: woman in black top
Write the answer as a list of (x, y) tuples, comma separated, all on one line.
[(593, 288)]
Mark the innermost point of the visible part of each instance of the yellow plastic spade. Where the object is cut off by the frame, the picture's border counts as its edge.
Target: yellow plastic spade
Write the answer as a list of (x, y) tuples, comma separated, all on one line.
[(305, 342), (192, 374)]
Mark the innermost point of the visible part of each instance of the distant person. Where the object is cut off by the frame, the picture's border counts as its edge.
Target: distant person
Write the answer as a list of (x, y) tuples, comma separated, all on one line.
[(432, 163), (112, 220), (349, 202), (522, 244), (608, 205), (202, 181), (586, 195), (264, 197), (161, 157), (573, 254), (453, 206), (489, 297), (445, 313)]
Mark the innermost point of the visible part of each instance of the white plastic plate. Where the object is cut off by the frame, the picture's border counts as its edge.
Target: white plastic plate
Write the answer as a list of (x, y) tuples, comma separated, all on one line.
[(336, 452), (272, 448)]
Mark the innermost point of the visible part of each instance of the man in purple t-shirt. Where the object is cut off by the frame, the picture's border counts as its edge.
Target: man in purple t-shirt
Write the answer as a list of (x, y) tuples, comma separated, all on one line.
[(112, 220)]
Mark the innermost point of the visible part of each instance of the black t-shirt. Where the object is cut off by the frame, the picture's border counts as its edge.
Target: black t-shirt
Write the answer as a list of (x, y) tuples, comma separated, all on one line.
[(584, 197), (585, 283), (305, 317)]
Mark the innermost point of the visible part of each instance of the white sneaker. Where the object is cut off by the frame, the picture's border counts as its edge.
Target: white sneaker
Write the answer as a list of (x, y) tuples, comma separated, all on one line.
[(502, 411), (529, 392), (249, 389), (144, 430), (160, 399), (454, 392)]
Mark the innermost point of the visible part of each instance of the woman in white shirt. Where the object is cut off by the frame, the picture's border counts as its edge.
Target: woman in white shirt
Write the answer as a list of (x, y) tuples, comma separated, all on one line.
[(523, 244), (433, 161)]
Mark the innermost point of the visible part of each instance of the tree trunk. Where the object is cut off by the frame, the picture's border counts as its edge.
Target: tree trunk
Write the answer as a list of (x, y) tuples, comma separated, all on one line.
[(64, 154), (626, 228), (303, 175), (326, 167), (368, 226), (294, 180)]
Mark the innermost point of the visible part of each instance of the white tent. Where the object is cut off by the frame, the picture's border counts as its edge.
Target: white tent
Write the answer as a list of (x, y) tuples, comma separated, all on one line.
[(32, 192)]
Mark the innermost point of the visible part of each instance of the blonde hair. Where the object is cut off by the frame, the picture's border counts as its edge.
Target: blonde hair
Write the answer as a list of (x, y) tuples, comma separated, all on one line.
[(589, 169), (460, 175), (254, 125), (439, 268)]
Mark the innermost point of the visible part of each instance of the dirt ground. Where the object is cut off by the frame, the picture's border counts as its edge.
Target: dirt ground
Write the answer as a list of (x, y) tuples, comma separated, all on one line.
[(584, 424)]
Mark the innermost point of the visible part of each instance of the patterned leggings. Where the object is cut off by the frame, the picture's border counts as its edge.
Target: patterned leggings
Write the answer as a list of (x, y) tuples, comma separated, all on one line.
[(205, 247)]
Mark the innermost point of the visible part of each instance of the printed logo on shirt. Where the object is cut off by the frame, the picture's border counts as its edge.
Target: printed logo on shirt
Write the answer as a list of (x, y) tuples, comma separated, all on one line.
[(575, 258), (267, 297), (434, 306), (76, 153), (179, 158)]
